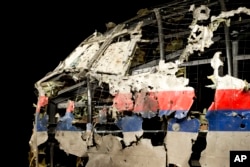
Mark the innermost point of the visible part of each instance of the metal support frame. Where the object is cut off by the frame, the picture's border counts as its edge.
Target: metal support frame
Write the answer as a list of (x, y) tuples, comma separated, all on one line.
[(227, 41), (89, 118), (161, 35), (235, 47)]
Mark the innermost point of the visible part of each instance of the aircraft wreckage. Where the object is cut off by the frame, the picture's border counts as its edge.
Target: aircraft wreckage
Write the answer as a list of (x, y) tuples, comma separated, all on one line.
[(168, 87)]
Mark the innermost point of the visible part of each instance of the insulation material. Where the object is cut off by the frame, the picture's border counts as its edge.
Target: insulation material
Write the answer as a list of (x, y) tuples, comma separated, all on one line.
[(51, 88)]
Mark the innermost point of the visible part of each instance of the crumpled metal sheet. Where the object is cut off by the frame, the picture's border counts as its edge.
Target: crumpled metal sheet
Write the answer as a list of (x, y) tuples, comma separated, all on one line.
[(71, 142), (110, 153)]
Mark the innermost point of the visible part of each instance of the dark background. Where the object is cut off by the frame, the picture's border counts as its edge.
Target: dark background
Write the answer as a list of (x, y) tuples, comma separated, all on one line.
[(43, 35)]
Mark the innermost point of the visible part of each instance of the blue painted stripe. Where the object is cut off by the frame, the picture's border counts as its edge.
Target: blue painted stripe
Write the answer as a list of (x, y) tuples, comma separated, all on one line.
[(130, 123), (183, 125), (179, 114), (228, 120), (65, 123), (41, 122)]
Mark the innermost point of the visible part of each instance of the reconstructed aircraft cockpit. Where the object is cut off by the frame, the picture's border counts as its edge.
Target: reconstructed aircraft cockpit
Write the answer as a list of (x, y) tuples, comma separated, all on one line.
[(168, 87)]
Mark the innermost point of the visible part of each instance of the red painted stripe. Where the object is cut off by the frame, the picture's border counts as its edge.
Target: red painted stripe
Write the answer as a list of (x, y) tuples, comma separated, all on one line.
[(231, 99), (175, 100), (123, 102), (146, 101), (152, 101)]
